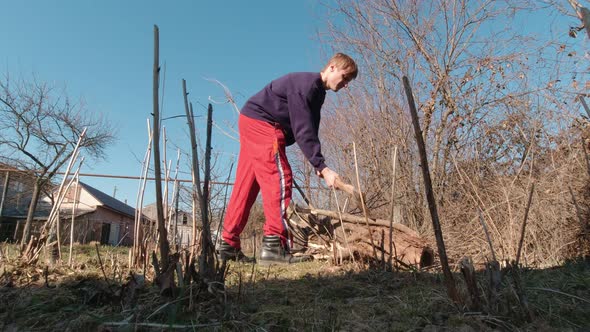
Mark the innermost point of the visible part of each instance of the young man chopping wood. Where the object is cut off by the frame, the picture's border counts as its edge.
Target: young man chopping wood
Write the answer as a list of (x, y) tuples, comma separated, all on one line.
[(284, 112)]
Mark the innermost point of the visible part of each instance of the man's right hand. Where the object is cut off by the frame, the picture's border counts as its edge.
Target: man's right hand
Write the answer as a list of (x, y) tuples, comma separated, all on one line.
[(329, 176)]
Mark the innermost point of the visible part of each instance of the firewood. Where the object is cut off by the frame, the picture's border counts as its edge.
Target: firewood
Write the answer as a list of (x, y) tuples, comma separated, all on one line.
[(410, 248)]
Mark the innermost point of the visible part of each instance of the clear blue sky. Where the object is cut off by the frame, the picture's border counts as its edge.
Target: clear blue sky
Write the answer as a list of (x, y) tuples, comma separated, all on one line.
[(102, 51)]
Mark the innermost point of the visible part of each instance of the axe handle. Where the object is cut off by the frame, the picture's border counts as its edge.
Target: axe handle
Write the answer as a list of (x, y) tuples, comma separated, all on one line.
[(338, 184)]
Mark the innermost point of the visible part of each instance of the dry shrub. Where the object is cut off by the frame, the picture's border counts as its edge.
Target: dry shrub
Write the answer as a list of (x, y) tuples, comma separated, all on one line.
[(552, 225)]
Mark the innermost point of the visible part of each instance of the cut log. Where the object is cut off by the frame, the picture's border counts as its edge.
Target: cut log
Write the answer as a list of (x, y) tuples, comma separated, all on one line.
[(352, 237)]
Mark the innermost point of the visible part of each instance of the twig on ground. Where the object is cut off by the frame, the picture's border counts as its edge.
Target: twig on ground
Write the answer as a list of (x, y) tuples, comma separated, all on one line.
[(106, 279), (559, 292), (163, 326)]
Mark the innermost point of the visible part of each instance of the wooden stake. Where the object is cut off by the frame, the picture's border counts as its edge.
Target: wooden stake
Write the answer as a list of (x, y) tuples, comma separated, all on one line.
[(363, 205), (206, 263), (196, 192), (74, 207), (162, 233), (391, 244), (522, 231), (449, 280), (137, 247)]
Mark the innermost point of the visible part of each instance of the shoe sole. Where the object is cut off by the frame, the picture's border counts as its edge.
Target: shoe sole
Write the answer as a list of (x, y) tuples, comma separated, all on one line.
[(280, 262), (233, 259)]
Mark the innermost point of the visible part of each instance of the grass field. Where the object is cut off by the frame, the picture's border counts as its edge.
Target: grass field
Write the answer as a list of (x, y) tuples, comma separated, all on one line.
[(312, 296)]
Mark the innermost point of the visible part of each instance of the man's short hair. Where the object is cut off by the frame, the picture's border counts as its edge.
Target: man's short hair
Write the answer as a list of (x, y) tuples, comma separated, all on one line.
[(343, 61)]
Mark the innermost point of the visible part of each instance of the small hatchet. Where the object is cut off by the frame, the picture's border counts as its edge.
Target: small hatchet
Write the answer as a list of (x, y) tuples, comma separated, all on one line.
[(357, 196)]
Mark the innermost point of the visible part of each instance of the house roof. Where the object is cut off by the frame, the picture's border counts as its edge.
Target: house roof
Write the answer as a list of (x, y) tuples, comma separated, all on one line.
[(150, 211), (109, 201)]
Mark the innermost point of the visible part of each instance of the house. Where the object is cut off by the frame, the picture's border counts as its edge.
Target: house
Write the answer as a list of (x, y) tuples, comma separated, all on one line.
[(97, 217), (16, 187), (178, 223)]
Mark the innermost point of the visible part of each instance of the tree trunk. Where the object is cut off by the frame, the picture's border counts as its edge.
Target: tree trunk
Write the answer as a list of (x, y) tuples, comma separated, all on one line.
[(31, 213)]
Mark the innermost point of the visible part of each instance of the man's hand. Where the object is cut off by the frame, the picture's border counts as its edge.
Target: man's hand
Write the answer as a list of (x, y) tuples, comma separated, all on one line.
[(329, 176)]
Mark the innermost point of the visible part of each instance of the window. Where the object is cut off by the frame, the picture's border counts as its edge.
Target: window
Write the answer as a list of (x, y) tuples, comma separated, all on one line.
[(18, 186)]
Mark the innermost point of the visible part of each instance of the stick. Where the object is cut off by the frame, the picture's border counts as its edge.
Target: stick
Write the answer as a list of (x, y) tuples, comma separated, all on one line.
[(206, 261), (74, 206), (358, 182), (139, 200), (342, 224), (449, 280), (196, 177), (102, 268), (162, 233), (578, 210), (161, 326), (485, 229), (526, 215), (305, 199), (391, 245), (218, 237)]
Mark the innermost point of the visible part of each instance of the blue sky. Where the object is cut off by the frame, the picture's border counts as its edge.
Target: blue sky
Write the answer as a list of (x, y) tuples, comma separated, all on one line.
[(102, 52)]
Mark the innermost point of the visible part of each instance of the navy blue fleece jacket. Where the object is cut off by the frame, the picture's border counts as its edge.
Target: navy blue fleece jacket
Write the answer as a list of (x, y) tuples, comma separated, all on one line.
[(294, 102)]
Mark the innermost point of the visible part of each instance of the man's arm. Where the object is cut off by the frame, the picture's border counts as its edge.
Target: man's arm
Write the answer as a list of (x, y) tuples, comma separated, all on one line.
[(305, 131)]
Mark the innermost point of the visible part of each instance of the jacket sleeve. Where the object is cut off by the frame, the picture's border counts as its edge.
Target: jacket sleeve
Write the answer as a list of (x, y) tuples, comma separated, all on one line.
[(305, 128)]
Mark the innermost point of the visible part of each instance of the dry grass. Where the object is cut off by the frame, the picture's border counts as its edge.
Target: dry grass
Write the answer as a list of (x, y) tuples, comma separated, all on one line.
[(313, 296)]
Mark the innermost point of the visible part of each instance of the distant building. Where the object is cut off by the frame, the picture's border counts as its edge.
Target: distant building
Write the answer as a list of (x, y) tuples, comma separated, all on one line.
[(16, 188), (98, 217), (178, 223)]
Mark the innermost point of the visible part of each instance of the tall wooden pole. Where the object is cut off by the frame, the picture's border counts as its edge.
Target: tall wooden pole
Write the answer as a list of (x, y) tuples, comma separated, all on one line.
[(163, 235), (206, 262), (449, 280), (4, 193), (196, 177)]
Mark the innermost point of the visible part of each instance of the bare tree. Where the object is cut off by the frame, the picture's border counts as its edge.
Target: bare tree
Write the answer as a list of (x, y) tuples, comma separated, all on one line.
[(495, 105), (39, 127), (469, 66)]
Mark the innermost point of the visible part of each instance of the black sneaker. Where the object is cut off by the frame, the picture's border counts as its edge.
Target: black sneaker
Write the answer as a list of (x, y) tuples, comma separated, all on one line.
[(225, 252)]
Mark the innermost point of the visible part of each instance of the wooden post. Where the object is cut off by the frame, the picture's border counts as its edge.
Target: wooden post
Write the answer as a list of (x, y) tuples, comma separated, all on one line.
[(163, 236), (196, 177), (449, 280), (468, 272), (137, 247), (74, 207), (391, 244), (206, 262), (166, 178), (4, 193)]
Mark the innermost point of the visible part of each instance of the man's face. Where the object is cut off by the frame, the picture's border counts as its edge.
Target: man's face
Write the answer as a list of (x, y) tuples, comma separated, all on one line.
[(338, 78)]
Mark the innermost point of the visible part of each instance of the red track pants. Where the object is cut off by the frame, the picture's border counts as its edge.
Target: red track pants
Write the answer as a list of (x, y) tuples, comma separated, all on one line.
[(262, 167)]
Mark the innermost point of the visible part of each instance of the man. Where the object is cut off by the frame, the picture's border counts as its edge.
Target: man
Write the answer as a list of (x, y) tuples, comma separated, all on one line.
[(286, 111)]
